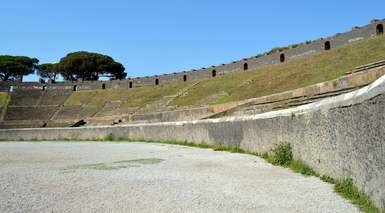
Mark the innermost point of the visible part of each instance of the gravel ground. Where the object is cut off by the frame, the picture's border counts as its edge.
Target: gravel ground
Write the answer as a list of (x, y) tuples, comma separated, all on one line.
[(140, 177)]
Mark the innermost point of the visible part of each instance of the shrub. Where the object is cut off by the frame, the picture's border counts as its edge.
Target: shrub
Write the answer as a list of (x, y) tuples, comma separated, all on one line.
[(109, 137), (282, 155)]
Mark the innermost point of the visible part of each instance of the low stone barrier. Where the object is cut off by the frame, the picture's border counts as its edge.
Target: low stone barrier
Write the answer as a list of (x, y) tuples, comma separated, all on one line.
[(341, 136)]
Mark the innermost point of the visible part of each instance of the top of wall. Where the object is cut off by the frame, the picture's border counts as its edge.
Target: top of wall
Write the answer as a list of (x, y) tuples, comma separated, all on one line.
[(375, 27)]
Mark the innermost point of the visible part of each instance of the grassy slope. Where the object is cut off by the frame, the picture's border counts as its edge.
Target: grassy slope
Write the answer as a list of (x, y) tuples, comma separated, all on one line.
[(136, 97), (290, 75), (4, 99), (243, 85)]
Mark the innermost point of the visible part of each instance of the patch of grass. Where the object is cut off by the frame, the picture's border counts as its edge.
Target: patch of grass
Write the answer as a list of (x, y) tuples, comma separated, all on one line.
[(229, 148), (223, 100), (109, 137), (215, 147), (281, 155), (300, 167), (4, 99), (348, 190), (327, 179)]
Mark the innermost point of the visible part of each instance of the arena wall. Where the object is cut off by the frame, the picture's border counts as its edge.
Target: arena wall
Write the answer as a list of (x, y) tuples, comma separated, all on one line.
[(294, 51), (341, 136)]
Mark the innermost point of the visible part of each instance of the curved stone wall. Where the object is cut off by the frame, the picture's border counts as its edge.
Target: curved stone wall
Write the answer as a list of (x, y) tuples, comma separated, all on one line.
[(341, 136), (294, 51)]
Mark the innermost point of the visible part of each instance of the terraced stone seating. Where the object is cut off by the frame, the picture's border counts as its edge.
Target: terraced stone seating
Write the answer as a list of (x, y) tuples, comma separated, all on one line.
[(32, 107), (38, 108), (11, 124), (60, 123), (54, 97), (367, 66), (307, 94), (75, 112), (29, 112), (177, 115), (23, 97), (109, 109), (286, 103)]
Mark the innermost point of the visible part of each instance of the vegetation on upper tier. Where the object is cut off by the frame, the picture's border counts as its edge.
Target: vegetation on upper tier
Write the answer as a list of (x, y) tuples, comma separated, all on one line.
[(4, 99), (268, 80), (135, 97)]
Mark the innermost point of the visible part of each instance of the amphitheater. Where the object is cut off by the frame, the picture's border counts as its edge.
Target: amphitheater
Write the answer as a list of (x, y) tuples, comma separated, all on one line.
[(323, 97)]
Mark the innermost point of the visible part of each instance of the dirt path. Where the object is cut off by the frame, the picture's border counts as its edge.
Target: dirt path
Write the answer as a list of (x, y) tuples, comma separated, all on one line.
[(140, 177)]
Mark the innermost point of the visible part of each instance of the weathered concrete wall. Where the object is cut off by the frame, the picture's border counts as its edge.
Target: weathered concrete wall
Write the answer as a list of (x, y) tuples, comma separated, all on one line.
[(310, 47), (342, 136)]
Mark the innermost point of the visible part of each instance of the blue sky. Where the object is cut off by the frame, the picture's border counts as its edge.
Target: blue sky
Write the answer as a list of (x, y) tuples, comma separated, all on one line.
[(154, 37)]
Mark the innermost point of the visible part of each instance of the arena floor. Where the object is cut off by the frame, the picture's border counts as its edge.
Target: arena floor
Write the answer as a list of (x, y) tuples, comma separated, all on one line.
[(140, 177)]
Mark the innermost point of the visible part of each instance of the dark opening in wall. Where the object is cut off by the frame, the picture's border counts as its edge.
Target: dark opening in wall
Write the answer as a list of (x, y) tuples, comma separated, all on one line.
[(44, 88), (79, 123), (156, 81), (130, 84), (327, 45), (380, 29), (74, 88), (103, 86), (214, 73), (245, 66), (282, 57), (184, 77)]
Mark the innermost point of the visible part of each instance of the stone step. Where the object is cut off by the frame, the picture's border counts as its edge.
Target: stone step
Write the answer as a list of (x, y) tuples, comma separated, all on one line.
[(317, 97), (296, 101), (367, 66)]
